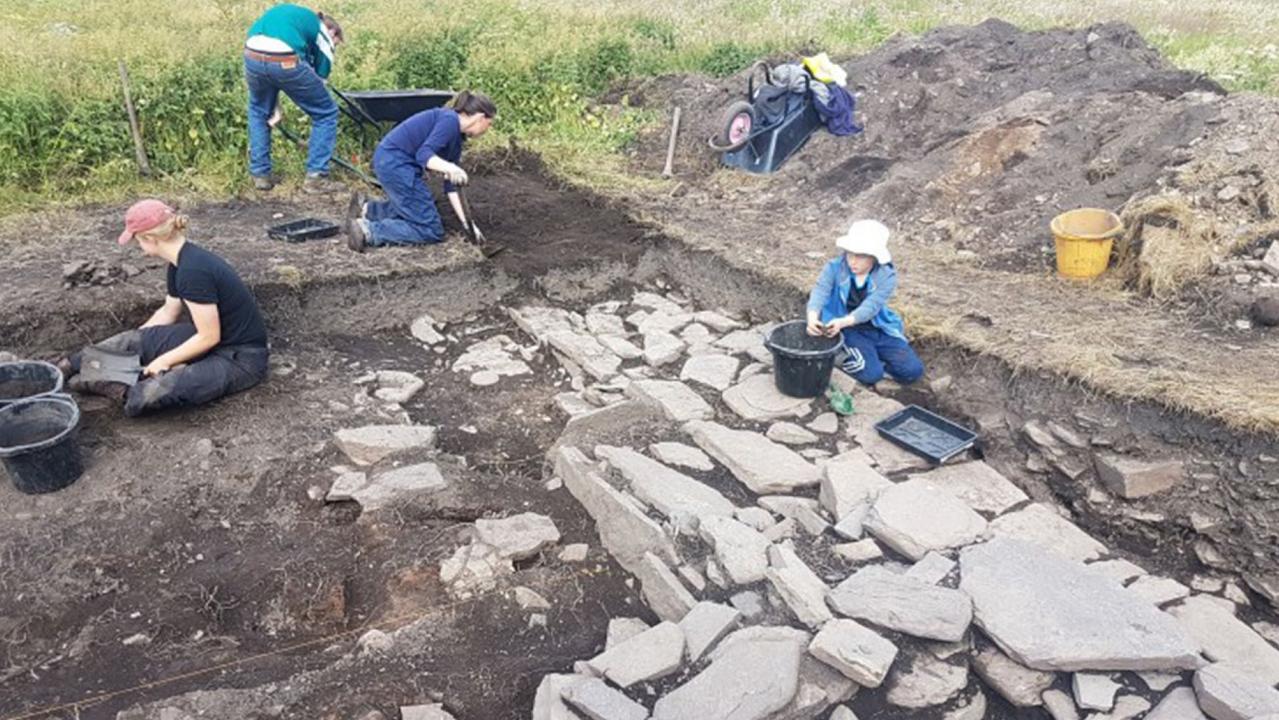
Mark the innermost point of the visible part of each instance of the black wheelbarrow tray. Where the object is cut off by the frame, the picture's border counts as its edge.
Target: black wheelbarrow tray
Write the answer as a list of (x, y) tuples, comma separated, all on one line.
[(378, 106)]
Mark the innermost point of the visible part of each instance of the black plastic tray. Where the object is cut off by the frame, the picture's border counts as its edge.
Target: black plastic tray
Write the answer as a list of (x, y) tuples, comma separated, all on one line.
[(304, 229), (926, 433), (397, 105)]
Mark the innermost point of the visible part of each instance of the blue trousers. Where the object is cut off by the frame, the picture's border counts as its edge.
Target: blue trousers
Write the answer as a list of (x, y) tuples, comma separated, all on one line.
[(266, 81), (408, 216), (871, 352)]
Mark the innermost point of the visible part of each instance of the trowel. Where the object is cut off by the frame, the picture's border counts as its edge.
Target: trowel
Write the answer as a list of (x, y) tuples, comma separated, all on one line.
[(473, 234)]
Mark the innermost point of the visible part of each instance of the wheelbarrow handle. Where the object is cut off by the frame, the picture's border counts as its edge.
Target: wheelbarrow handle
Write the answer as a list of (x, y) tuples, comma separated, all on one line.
[(295, 139), (750, 79), (355, 110)]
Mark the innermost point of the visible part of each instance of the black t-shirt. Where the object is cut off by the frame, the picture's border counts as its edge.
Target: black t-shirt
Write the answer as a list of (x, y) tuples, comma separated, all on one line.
[(204, 278)]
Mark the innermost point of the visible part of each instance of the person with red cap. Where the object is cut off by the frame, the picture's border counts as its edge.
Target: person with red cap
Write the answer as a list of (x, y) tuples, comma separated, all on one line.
[(221, 350)]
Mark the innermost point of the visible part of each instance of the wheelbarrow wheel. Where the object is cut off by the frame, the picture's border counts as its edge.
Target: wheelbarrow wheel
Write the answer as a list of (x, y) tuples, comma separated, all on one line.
[(736, 125)]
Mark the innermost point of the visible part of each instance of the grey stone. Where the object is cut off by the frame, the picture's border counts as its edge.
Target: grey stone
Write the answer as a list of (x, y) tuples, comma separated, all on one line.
[(662, 322), (1158, 590), (1094, 691), (799, 587), (672, 493), (388, 488), (820, 686), (904, 604), (600, 323), (850, 528), (753, 673), (843, 713), (662, 348), (474, 567), (586, 352), (624, 529), (758, 463), (654, 653), (827, 423), (676, 401), (860, 551), (597, 701), (740, 550), (1180, 704), (424, 330), (1227, 692), (396, 386), (697, 337), (518, 537), (849, 483), (755, 517), (1050, 613), (977, 485), (375, 642), (1015, 682), (749, 603), (931, 569), (749, 341), (789, 433), (1226, 639), (1067, 435), (653, 301), (705, 625), (915, 517), (434, 711), (1269, 631), (713, 370), (539, 322), (1039, 525), (802, 510), (717, 321), (1158, 681), (548, 703), (663, 592), (622, 629), (692, 577), (529, 600), (574, 552), (926, 681), (1131, 478), (492, 356), (971, 708), (1126, 707), (757, 398), (782, 530), (673, 453), (1118, 570), (621, 347), (1060, 706), (346, 485), (573, 404), (858, 652), (373, 443)]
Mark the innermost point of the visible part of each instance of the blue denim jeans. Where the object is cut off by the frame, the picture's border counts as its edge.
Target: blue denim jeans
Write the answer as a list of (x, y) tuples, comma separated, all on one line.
[(408, 216), (266, 80), (871, 352)]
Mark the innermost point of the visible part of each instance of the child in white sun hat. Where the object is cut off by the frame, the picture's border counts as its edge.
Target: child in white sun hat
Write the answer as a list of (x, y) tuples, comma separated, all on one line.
[(850, 299)]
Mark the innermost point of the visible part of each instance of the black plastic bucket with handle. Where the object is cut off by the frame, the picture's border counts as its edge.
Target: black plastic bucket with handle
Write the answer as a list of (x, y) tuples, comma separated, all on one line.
[(38, 444), (801, 363), (28, 379)]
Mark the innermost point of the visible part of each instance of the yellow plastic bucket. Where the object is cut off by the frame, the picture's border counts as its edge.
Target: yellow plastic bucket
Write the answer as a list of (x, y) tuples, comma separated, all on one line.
[(1084, 238)]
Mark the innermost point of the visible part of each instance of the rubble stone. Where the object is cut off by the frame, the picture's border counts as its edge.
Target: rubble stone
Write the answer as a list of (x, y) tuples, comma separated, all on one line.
[(925, 682), (788, 433), (858, 652), (977, 485), (518, 537), (904, 604), (827, 423), (705, 625), (1037, 524), (1228, 692), (676, 401), (712, 369), (663, 592), (548, 703), (914, 517), (753, 673), (474, 567), (1227, 639), (1131, 478), (372, 443), (654, 653), (1180, 704), (799, 587), (848, 484), (758, 463), (1059, 705), (597, 701), (434, 711), (673, 453), (1015, 682), (740, 550), (802, 510), (757, 398), (621, 347), (1158, 590), (424, 330), (860, 551), (622, 629), (662, 348), (1094, 691), (931, 569), (672, 493)]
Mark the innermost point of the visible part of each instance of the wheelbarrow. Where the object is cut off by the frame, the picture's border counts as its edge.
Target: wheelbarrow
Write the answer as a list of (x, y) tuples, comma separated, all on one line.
[(369, 109), (760, 132)]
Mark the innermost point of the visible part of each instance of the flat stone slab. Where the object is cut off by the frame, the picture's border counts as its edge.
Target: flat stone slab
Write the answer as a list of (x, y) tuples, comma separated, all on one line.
[(393, 486), (622, 629), (750, 341), (663, 592), (1132, 478), (373, 443), (926, 682), (518, 537), (1229, 693), (1158, 590), (705, 625), (654, 653), (423, 329), (673, 453), (850, 484), (676, 400), (1094, 691), (788, 433), (712, 369), (597, 701), (621, 347), (1039, 525), (494, 356), (596, 360), (396, 386), (931, 569), (1180, 704), (539, 322), (757, 398), (472, 567), (977, 485), (858, 652), (826, 423), (671, 493), (915, 517), (760, 464), (602, 323), (662, 348), (798, 586), (1015, 682), (904, 604), (1227, 639), (1050, 613), (548, 703), (804, 511), (434, 711), (741, 550), (717, 321), (752, 674), (625, 531), (860, 551)]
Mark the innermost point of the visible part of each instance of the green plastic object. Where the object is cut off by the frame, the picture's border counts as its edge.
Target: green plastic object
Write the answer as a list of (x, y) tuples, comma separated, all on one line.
[(840, 401)]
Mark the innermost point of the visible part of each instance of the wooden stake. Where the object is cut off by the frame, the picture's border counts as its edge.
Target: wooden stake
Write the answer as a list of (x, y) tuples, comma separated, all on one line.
[(144, 167), (670, 149)]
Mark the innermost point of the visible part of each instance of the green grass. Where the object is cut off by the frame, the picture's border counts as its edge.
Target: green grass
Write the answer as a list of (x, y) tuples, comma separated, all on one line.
[(64, 137)]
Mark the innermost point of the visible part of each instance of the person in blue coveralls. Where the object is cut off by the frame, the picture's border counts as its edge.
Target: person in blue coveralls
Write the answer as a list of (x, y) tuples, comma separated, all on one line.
[(850, 300), (430, 140), (290, 49)]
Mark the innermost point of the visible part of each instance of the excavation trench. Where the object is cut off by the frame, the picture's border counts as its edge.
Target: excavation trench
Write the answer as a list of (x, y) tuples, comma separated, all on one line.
[(202, 540)]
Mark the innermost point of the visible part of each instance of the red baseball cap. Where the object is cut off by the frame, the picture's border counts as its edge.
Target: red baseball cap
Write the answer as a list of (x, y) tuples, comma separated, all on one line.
[(143, 216)]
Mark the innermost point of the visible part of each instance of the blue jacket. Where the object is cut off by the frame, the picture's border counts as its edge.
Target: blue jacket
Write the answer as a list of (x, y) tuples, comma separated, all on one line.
[(437, 131), (829, 297)]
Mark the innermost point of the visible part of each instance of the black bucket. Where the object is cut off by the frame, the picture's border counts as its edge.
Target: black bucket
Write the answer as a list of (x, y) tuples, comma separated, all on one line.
[(28, 379), (38, 443), (801, 363)]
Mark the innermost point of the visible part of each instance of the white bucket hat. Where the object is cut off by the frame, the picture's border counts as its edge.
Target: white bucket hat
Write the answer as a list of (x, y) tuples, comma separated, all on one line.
[(866, 237)]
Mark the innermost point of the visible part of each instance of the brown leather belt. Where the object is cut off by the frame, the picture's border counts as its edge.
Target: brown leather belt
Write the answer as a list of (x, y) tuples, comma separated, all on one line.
[(268, 57)]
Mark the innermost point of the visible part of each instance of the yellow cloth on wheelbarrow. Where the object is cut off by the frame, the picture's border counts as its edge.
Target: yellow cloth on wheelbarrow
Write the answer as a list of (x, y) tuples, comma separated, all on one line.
[(823, 69)]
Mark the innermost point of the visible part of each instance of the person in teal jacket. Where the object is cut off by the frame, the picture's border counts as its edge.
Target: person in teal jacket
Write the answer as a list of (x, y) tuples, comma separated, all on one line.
[(850, 299), (290, 49)]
